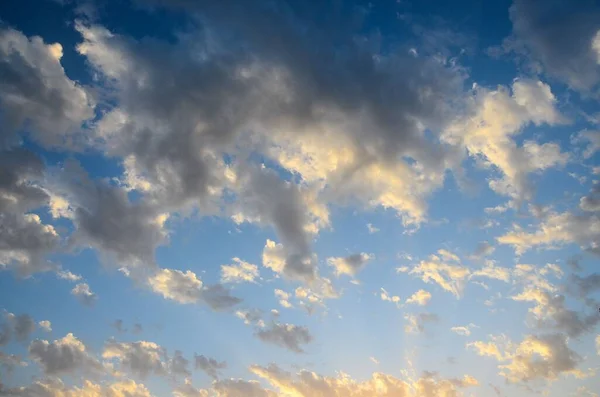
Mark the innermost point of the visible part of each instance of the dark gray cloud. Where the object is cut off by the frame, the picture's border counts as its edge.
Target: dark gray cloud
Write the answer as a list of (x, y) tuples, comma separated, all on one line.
[(558, 35), (209, 365), (288, 336), (265, 197), (179, 365), (125, 233), (22, 326), (271, 73), (591, 202), (18, 326), (35, 93), (24, 239)]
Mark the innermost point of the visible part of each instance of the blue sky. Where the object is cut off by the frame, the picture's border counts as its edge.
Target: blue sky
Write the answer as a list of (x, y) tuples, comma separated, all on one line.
[(279, 198)]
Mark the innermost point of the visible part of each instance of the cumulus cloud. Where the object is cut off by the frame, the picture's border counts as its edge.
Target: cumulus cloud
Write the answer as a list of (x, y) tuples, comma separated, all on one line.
[(348, 136), (536, 357), (209, 365), (9, 362), (64, 356), (550, 311), (36, 92), (591, 202), (489, 131), (187, 288), (45, 325), (25, 240), (307, 383), (54, 387), (141, 358), (18, 326), (556, 229), (84, 294), (349, 265), (571, 37), (239, 272), (288, 336)]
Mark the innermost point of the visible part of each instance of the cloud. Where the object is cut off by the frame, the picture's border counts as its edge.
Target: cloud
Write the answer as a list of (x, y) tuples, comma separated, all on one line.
[(84, 294), (45, 325), (288, 336), (591, 139), (416, 322), (349, 265), (141, 358), (591, 202), (125, 233), (385, 296), (550, 311), (37, 94), (556, 229), (315, 124), (25, 240), (240, 272), (284, 298), (307, 383), (421, 298), (9, 362), (450, 276), (571, 37), (463, 330), (483, 249), (488, 132), (250, 317), (64, 356), (372, 229), (55, 387), (265, 198), (225, 388), (536, 357), (187, 288), (66, 275), (209, 365)]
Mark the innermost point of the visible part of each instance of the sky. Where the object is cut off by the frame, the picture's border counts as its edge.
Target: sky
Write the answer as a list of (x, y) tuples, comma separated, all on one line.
[(280, 198)]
